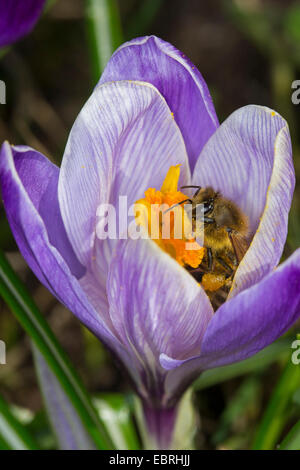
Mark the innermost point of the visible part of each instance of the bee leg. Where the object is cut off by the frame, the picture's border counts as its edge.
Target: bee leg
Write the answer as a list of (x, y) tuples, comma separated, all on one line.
[(200, 269), (225, 266), (236, 260), (209, 259), (197, 273), (194, 218), (208, 220)]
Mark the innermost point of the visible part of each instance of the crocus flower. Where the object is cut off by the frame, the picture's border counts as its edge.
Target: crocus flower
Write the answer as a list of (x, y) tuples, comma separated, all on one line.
[(150, 117), (17, 18)]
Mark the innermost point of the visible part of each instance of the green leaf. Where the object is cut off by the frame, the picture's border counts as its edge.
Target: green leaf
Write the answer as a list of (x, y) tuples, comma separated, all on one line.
[(292, 22), (3, 51), (292, 440), (49, 4), (276, 414), (141, 20), (254, 363), (104, 33), (13, 435), (27, 313), (116, 411), (241, 404), (253, 22)]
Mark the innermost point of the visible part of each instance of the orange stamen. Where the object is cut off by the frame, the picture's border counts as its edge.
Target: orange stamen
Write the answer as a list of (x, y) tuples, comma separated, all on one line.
[(158, 223)]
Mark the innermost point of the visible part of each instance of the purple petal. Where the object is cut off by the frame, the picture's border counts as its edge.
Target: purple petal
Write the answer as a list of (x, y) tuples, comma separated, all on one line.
[(40, 179), (155, 305), (249, 160), (17, 18), (26, 190), (123, 142), (30, 231), (96, 294), (250, 321), (153, 60)]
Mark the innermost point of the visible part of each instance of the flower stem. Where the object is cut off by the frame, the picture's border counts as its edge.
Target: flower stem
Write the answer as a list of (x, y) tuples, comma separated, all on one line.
[(160, 424)]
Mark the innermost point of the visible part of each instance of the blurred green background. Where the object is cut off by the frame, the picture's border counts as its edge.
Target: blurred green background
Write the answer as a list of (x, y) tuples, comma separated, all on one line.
[(249, 53)]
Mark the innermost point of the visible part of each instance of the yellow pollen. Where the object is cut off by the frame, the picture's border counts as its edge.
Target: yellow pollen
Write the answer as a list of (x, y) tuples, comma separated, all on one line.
[(163, 227), (213, 282)]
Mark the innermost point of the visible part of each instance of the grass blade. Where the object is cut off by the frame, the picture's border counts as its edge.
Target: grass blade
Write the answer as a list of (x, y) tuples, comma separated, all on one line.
[(104, 33), (13, 435), (275, 416), (27, 313), (115, 411), (140, 22), (292, 440)]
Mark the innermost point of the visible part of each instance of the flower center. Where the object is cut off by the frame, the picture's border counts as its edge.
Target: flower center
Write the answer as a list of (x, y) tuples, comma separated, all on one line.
[(169, 229), (163, 215)]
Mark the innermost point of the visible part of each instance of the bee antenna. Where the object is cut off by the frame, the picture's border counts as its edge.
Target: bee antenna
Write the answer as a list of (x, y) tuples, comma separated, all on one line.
[(178, 204), (198, 187), (192, 186)]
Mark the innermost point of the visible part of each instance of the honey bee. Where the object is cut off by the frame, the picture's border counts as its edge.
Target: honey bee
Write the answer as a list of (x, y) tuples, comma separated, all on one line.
[(226, 231)]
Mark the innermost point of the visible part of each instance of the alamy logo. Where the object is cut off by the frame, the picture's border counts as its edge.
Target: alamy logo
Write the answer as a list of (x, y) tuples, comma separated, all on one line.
[(296, 93), (296, 354), (2, 92), (2, 352)]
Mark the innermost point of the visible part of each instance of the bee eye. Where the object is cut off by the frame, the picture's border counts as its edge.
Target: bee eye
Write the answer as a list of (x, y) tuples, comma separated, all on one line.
[(208, 206)]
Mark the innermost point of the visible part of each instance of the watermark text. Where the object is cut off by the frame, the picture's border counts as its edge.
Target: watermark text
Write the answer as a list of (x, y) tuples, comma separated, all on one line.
[(296, 354), (154, 221), (2, 92), (296, 93), (2, 352)]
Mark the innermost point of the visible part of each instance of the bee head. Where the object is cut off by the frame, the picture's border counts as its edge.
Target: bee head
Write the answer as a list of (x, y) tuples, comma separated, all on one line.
[(208, 206), (207, 197)]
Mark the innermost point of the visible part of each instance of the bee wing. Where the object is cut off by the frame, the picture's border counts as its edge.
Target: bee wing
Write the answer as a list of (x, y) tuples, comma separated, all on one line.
[(239, 244)]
